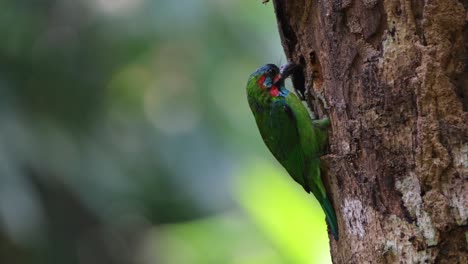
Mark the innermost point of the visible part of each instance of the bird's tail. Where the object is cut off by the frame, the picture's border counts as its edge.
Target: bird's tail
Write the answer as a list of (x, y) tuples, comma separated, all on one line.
[(330, 217), (317, 188)]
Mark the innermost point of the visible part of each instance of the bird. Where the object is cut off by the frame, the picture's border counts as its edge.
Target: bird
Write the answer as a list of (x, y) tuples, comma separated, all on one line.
[(295, 139)]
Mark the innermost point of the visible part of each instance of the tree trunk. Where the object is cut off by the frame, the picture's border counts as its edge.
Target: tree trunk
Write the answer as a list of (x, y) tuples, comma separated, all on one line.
[(394, 74)]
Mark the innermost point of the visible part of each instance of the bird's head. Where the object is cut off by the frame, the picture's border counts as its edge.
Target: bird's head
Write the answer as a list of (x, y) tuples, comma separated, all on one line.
[(270, 78)]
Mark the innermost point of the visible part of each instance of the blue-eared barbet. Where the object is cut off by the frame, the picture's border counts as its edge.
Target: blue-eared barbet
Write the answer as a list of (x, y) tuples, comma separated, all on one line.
[(288, 131)]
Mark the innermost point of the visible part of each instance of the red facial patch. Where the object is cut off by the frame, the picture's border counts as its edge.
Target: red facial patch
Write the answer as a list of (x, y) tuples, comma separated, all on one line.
[(260, 81), (274, 91)]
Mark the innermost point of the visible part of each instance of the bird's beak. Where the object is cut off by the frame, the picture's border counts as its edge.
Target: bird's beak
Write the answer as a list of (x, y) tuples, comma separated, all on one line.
[(277, 78), (285, 71)]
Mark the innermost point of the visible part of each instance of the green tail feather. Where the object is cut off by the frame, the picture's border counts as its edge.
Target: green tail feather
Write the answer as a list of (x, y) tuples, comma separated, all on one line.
[(330, 217)]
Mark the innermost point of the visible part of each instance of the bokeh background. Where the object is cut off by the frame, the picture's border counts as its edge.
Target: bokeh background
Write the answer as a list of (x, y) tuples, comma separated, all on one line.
[(125, 137)]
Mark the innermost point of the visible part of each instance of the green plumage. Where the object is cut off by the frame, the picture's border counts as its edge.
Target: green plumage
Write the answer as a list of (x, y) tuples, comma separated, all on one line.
[(295, 140)]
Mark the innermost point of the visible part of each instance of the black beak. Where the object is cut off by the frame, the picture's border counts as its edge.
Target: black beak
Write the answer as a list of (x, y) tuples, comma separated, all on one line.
[(285, 71)]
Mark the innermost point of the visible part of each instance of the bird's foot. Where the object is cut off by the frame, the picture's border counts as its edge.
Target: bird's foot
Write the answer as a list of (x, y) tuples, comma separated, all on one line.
[(322, 123)]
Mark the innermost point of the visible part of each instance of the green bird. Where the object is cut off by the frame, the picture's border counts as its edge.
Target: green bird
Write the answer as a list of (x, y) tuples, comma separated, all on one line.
[(287, 129)]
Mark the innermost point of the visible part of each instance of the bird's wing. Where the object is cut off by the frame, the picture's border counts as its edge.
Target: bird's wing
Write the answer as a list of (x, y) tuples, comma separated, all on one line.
[(283, 140), (312, 139), (313, 133)]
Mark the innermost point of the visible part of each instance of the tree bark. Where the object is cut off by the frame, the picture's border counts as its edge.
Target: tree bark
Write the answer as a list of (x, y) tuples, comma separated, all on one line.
[(394, 74)]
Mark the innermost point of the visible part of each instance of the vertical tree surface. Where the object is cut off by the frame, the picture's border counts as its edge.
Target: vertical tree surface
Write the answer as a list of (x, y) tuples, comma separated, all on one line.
[(395, 77)]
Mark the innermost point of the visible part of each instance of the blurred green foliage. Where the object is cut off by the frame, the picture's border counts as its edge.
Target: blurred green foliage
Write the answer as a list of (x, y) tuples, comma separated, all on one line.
[(125, 137)]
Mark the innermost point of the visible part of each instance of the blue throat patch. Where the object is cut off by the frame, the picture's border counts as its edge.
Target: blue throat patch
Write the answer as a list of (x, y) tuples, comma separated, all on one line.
[(283, 92)]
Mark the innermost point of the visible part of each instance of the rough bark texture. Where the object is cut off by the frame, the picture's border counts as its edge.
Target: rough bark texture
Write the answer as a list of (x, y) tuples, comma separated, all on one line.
[(395, 76)]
